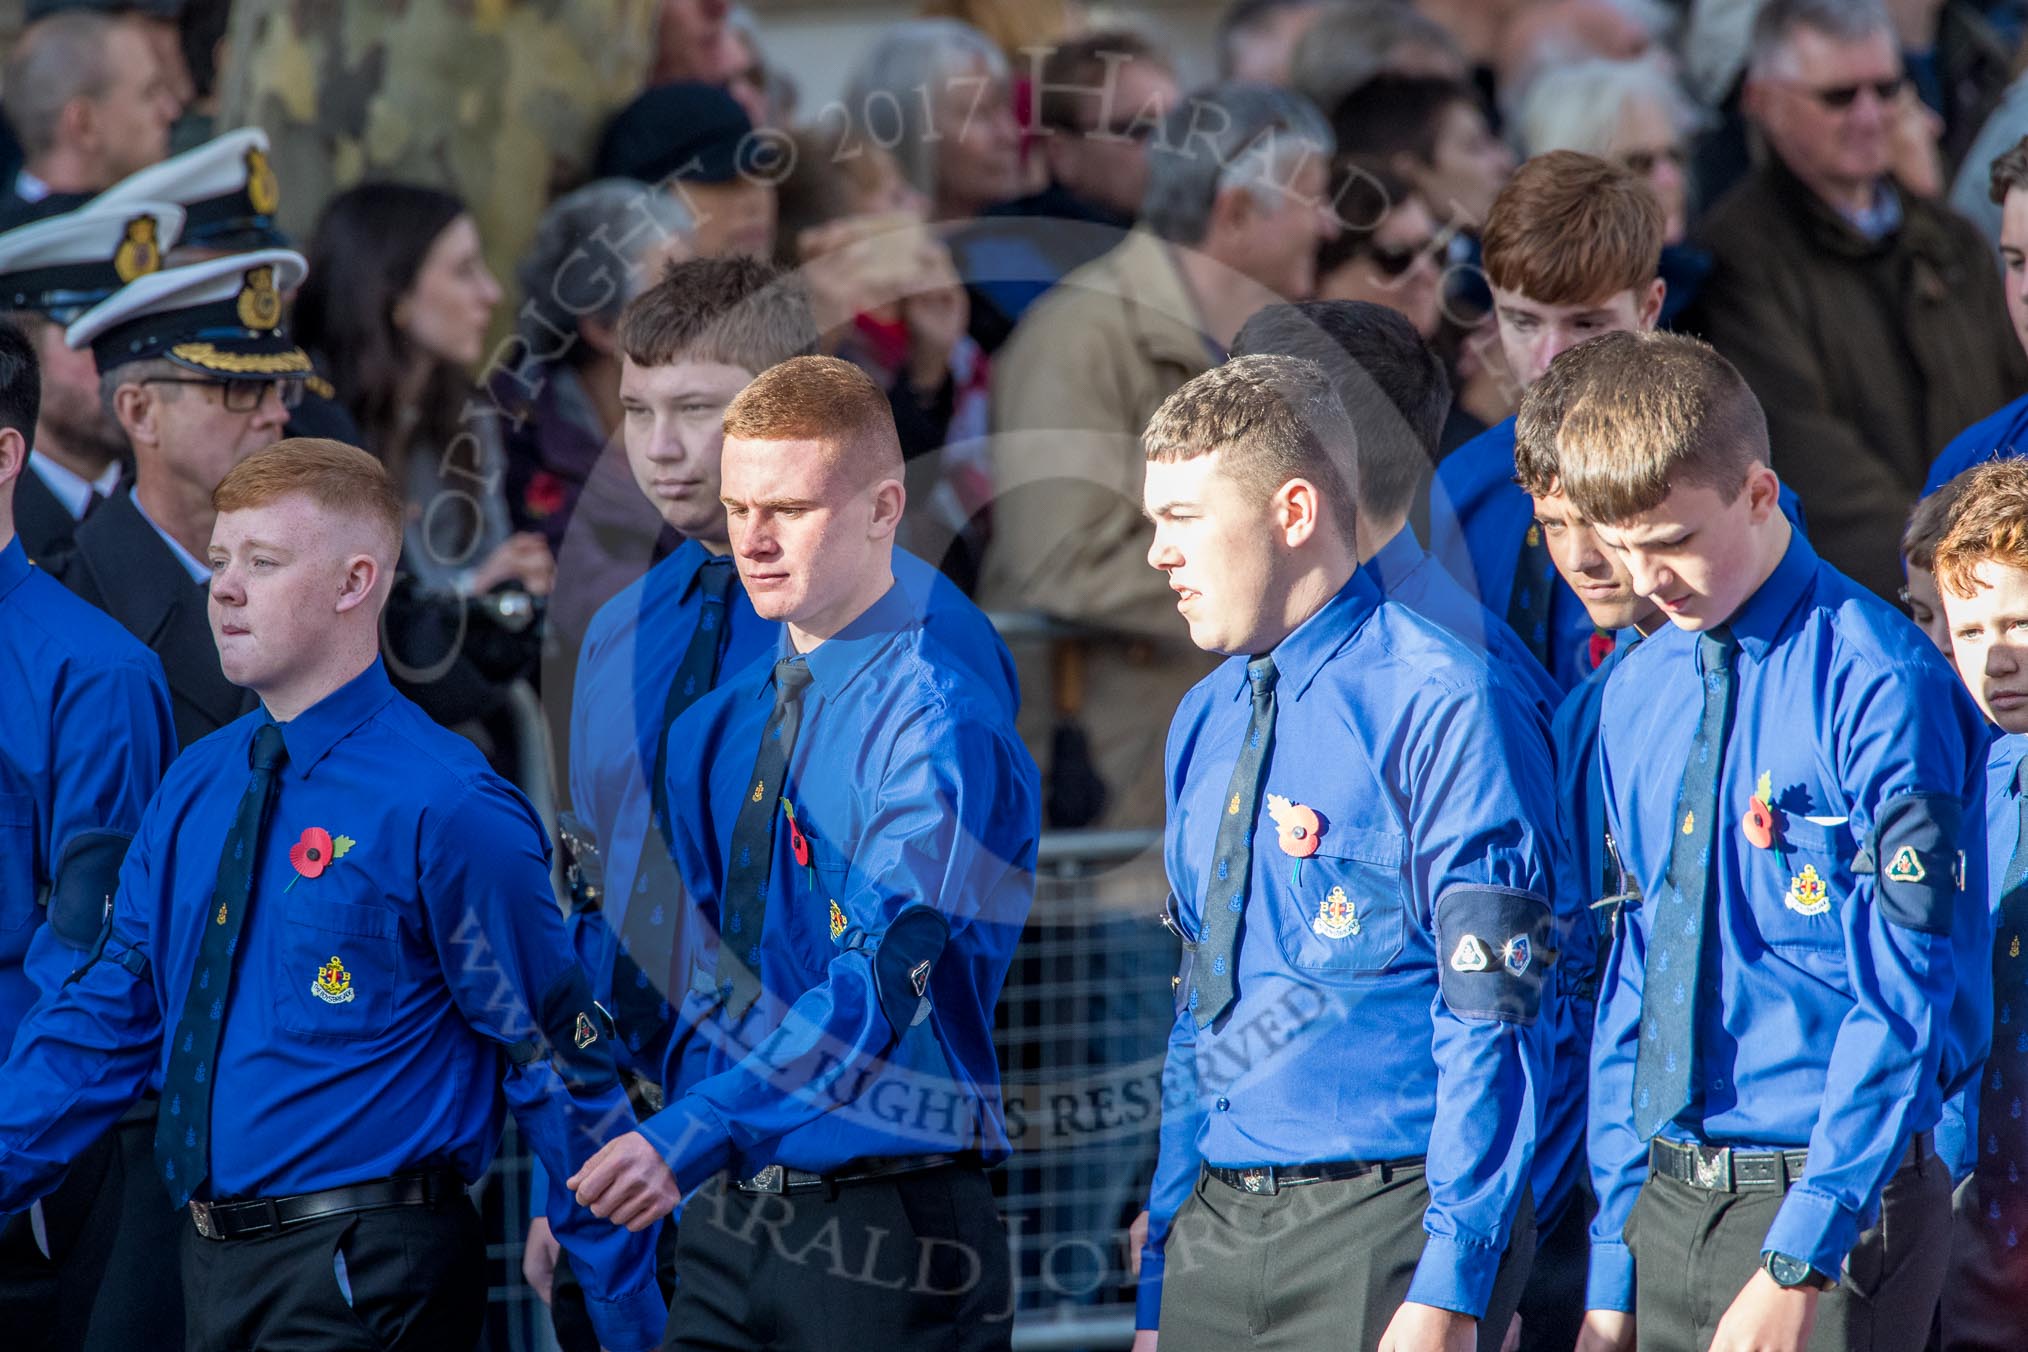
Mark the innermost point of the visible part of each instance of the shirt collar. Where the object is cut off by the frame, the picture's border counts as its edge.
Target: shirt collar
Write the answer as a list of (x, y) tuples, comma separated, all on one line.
[(1300, 656), (1881, 219), (199, 571), (69, 487), (1396, 559), (839, 659), (313, 732), (14, 565), (1759, 622)]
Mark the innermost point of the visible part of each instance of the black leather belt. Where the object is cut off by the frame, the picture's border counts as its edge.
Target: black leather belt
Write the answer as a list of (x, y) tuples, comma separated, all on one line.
[(778, 1179), (271, 1215), (1268, 1179), (1723, 1169)]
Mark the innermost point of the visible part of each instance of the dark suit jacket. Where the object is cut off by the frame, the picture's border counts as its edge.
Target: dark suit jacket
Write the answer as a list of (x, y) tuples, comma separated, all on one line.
[(124, 568), (40, 518)]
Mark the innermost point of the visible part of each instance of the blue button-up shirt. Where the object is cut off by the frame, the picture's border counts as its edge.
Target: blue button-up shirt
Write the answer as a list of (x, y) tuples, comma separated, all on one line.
[(1833, 1028), (1426, 782), (631, 653), (1582, 874), (85, 733), (1993, 437), (883, 957), (1957, 1135), (372, 1004), (1409, 575)]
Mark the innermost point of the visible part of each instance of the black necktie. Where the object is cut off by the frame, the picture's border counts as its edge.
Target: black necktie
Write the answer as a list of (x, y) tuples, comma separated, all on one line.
[(2003, 1132), (1528, 602), (1232, 866), (743, 911), (183, 1130), (644, 975), (1665, 1060)]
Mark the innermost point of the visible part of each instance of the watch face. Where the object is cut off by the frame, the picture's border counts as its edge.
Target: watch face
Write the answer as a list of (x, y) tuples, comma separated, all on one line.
[(1787, 1271)]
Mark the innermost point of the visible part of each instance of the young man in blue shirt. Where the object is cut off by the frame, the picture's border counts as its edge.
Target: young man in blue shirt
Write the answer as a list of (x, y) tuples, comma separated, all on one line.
[(334, 942), (2004, 433), (85, 733), (1571, 250), (1788, 770), (1359, 849), (1981, 568), (1552, 1308), (855, 825)]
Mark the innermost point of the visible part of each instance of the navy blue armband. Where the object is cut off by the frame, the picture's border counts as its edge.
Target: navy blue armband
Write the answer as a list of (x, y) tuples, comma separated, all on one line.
[(1493, 952), (574, 1032), (902, 962), (1914, 854), (87, 875)]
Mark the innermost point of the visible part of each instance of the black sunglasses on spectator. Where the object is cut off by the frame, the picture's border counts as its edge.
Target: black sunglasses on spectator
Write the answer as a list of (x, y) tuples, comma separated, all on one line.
[(1839, 97)]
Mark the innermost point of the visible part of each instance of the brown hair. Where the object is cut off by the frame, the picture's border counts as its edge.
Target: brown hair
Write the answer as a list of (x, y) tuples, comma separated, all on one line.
[(1988, 524), (337, 477), (820, 399), (1274, 419), (1927, 522), (1570, 229), (733, 311), (1077, 75), (1537, 424), (2010, 170), (1645, 413)]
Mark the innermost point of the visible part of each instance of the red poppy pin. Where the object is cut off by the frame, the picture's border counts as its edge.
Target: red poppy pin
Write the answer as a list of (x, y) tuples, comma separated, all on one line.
[(1602, 641), (1759, 822), (1296, 826), (799, 844), (314, 851)]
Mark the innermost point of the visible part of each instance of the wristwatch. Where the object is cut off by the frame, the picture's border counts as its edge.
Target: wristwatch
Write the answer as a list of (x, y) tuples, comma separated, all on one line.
[(1793, 1274)]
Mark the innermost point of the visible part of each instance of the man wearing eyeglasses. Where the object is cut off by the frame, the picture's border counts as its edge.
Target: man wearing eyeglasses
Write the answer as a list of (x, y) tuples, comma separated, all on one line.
[(1865, 318), (198, 366)]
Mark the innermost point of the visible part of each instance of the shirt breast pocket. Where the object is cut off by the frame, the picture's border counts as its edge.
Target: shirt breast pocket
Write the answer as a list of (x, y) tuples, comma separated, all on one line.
[(1344, 907), (17, 861), (1809, 883), (343, 965)]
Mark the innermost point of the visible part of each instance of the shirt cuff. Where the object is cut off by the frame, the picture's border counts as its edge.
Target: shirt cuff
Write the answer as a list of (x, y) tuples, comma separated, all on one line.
[(692, 1140), (1148, 1295), (1610, 1283), (1814, 1227), (1453, 1275), (633, 1322)]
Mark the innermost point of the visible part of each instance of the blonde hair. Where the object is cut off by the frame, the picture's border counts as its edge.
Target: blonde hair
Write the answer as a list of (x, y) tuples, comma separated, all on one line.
[(1273, 419), (1988, 524), (1645, 413)]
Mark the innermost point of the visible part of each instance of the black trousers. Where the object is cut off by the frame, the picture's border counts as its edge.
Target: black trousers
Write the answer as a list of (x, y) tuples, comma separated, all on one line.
[(1313, 1266), (46, 1302), (1695, 1249), (417, 1276), (1552, 1304), (886, 1265), (140, 1303)]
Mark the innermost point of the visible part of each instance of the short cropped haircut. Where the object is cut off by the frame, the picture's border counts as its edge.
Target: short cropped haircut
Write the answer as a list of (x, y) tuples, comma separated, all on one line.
[(1571, 229), (1927, 522), (1988, 525), (1776, 24), (2009, 171), (20, 382), (1388, 380), (1394, 114), (1646, 413), (55, 59), (337, 477), (1076, 74), (820, 399), (1274, 419), (731, 311)]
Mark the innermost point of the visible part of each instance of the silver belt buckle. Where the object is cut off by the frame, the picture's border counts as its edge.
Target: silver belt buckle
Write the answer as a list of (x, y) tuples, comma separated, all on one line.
[(772, 1179), (1714, 1170), (200, 1212), (1259, 1182)]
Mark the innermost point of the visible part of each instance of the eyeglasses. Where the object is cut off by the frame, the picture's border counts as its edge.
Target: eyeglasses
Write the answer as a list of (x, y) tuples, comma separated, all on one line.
[(1399, 259), (1642, 162), (242, 396), (1840, 97)]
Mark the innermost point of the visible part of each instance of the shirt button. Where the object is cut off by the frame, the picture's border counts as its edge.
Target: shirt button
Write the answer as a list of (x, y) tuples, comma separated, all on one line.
[(1223, 1103)]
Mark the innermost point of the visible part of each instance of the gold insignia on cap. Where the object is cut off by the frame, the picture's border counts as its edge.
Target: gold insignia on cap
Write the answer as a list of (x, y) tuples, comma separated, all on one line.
[(214, 358), (139, 253), (261, 188), (260, 305)]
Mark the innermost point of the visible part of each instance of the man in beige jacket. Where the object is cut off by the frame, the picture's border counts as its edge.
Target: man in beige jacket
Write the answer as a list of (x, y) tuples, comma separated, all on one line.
[(1235, 209)]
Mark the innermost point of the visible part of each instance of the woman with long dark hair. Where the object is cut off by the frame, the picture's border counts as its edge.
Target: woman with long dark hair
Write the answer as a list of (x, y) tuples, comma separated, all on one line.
[(396, 313)]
